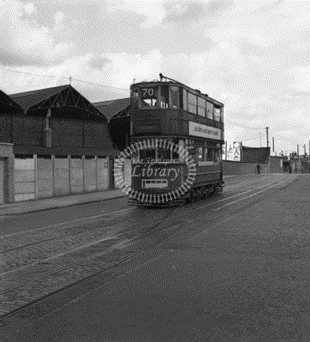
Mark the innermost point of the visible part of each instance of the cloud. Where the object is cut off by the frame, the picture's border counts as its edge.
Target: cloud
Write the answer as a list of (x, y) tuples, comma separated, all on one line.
[(302, 78), (193, 11), (24, 41), (99, 62), (152, 11)]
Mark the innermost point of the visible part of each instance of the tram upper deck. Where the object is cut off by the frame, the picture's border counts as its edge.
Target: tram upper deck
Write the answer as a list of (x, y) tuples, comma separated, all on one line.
[(170, 108)]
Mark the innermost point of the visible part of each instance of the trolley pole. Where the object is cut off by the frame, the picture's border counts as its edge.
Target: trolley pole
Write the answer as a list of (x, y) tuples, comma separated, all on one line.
[(267, 136)]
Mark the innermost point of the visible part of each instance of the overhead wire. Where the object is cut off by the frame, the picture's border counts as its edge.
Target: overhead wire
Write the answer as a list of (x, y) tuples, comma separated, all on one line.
[(252, 138), (62, 77)]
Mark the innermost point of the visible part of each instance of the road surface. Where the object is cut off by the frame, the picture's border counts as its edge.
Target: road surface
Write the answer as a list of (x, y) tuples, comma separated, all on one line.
[(234, 267)]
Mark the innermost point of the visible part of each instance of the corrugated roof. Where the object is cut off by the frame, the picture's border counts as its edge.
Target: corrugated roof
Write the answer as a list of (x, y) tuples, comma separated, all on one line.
[(64, 95), (112, 107), (30, 98), (7, 102)]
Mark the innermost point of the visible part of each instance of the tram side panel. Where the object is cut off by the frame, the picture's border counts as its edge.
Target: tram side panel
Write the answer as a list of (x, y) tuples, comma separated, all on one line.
[(154, 182), (209, 174)]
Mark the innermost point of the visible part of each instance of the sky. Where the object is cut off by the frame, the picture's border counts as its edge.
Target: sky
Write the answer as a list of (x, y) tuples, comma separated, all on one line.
[(252, 55)]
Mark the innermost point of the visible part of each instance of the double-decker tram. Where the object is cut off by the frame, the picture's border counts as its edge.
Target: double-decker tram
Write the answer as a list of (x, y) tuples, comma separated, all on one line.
[(177, 134)]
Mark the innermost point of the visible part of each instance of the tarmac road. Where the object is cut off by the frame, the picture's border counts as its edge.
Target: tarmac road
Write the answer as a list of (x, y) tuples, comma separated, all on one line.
[(240, 273)]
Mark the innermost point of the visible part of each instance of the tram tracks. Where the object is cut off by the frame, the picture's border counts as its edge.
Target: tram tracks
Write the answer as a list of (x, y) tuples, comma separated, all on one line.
[(244, 203), (46, 251), (22, 287), (59, 273), (29, 238)]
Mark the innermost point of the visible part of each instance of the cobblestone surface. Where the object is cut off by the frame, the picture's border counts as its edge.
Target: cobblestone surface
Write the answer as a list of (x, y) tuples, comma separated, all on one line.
[(97, 247)]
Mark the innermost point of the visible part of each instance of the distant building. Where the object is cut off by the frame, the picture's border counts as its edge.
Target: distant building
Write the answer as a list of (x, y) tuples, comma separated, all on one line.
[(258, 155)]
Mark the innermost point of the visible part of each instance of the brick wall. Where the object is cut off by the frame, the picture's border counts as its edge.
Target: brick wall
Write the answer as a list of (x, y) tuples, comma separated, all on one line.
[(239, 168)]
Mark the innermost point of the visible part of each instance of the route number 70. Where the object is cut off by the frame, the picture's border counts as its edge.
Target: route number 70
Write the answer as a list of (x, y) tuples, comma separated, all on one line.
[(148, 92)]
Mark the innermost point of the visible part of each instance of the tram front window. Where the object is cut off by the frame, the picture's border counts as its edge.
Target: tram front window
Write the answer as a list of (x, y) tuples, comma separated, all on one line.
[(148, 96), (163, 155), (148, 155)]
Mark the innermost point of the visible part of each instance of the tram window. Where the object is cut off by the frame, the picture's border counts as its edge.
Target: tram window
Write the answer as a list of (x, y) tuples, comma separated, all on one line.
[(192, 151), (174, 92), (192, 108), (149, 103), (184, 99), (180, 98), (175, 155), (201, 111), (134, 97), (148, 96), (163, 155), (217, 114), (135, 156), (200, 153), (205, 156), (164, 99), (209, 154), (217, 155), (147, 155), (222, 114), (201, 106), (192, 103), (210, 108)]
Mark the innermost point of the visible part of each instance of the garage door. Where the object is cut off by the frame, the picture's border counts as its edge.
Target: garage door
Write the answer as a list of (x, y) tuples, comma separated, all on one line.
[(1, 181)]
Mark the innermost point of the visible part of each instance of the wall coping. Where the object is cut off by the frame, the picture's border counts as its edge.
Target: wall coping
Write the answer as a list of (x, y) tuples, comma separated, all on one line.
[(242, 162), (6, 144)]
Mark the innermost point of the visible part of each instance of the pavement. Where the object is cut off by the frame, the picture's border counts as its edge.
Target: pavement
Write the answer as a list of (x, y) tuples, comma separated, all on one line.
[(58, 202), (32, 206)]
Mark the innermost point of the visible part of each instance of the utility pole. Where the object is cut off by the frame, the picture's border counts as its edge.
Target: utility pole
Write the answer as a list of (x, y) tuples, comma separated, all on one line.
[(260, 139), (267, 136), (272, 144), (298, 150)]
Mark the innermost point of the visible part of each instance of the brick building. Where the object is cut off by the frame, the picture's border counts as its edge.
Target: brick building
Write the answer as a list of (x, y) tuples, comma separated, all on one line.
[(61, 144)]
